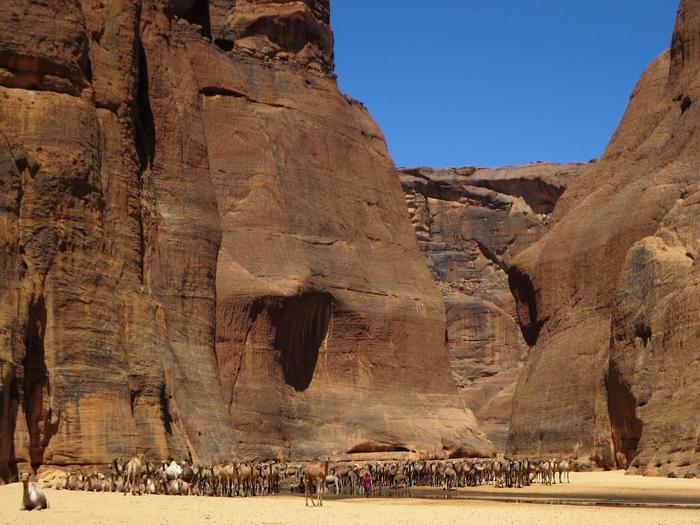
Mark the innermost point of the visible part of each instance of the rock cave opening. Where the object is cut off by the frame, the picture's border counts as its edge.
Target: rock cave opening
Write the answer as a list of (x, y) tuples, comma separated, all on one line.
[(300, 329), (625, 425), (526, 304), (35, 386), (198, 14), (224, 44), (686, 102)]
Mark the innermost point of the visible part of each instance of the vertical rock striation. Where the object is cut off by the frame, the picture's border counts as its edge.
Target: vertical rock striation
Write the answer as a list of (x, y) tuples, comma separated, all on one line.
[(203, 244), (608, 298), (470, 223)]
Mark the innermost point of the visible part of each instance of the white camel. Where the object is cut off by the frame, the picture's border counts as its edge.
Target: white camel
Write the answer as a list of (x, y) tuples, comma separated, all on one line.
[(32, 496), (333, 480)]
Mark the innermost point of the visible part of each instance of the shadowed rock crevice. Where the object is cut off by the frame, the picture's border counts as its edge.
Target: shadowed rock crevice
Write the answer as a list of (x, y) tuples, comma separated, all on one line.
[(35, 386), (165, 408), (145, 138), (300, 329), (372, 446), (198, 14), (626, 426), (224, 44), (9, 404), (526, 304), (143, 115)]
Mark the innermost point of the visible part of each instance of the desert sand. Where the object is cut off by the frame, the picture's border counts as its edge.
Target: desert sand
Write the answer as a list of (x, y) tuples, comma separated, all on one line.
[(75, 508)]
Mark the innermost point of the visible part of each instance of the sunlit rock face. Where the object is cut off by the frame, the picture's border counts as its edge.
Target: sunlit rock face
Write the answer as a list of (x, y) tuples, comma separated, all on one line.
[(470, 223), (608, 298), (205, 248)]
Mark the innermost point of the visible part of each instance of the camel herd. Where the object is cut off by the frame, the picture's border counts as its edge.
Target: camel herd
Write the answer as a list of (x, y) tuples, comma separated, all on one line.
[(140, 475)]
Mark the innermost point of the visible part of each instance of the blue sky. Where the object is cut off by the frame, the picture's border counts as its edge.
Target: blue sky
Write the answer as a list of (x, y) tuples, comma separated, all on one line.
[(496, 82)]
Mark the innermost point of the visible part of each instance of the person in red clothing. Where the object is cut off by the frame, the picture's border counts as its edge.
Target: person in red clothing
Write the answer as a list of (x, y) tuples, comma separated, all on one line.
[(367, 484)]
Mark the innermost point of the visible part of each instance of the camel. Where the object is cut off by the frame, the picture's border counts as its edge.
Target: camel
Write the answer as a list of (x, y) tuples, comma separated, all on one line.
[(274, 479), (205, 477), (245, 479), (332, 480), (32, 496), (257, 481), (544, 469), (316, 473), (74, 481), (172, 471), (343, 474), (151, 487), (188, 472), (178, 487), (400, 479), (450, 477), (562, 467), (228, 476), (62, 483), (497, 468), (354, 478), (134, 469)]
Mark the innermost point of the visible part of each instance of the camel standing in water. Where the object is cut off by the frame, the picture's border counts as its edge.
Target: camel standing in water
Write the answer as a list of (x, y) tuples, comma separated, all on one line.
[(316, 473), (32, 496)]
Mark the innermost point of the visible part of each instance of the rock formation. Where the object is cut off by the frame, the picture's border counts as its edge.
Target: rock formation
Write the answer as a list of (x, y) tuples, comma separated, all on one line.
[(204, 244), (470, 223), (608, 299)]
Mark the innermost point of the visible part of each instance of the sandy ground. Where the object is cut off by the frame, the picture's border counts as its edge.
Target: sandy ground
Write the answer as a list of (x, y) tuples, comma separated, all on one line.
[(76, 508)]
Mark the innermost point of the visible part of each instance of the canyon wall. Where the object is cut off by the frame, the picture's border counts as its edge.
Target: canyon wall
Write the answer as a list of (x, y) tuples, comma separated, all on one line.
[(205, 251), (608, 298), (470, 223)]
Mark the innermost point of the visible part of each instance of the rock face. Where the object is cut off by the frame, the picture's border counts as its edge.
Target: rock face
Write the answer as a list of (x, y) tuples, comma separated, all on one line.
[(609, 299), (470, 223), (204, 248)]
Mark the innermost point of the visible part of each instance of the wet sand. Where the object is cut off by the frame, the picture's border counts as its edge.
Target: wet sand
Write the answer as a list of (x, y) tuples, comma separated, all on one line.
[(74, 508)]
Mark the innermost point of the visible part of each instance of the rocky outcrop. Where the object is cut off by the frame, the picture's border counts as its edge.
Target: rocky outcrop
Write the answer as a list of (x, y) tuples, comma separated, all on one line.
[(297, 32), (470, 223), (609, 297), (182, 275)]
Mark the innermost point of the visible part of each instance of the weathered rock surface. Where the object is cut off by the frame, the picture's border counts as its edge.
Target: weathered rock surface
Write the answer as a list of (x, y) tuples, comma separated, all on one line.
[(204, 250), (609, 297), (470, 223)]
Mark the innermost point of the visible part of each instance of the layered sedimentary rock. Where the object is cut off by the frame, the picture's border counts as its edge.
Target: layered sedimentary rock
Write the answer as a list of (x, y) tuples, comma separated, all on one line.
[(470, 223), (204, 244), (609, 300)]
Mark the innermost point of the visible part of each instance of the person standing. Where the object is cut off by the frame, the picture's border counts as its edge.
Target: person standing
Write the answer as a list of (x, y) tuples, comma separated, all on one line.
[(367, 484)]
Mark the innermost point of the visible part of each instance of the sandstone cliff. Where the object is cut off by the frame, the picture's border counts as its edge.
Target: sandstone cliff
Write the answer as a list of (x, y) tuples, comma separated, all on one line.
[(204, 244), (609, 299), (470, 223)]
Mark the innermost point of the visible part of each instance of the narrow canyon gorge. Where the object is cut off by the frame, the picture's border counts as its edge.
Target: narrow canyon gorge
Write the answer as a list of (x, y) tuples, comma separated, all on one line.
[(207, 252)]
